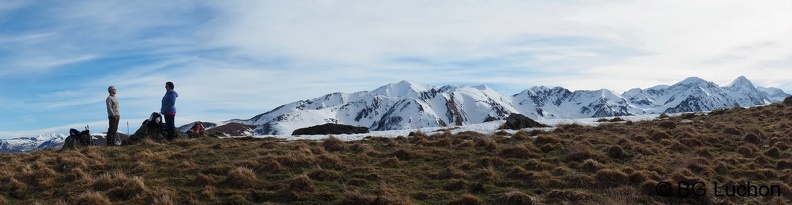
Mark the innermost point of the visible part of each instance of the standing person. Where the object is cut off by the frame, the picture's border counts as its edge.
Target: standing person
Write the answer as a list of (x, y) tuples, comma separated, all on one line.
[(169, 109), (113, 115)]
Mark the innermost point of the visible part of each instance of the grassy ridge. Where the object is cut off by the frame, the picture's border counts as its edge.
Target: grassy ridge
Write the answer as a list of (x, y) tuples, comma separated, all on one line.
[(615, 163)]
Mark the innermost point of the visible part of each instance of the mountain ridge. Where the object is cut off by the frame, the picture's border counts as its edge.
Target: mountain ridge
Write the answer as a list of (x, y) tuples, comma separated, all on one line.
[(408, 105)]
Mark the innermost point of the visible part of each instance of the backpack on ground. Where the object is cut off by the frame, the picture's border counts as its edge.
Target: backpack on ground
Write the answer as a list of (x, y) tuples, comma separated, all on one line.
[(85, 138), (154, 120), (73, 132), (78, 139)]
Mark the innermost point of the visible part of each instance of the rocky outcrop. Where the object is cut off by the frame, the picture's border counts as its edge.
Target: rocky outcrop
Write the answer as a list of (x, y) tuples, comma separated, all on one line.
[(153, 132), (330, 128), (231, 129), (519, 121)]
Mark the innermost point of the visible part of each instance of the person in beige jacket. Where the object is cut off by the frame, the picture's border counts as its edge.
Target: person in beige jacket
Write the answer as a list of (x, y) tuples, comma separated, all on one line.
[(113, 115)]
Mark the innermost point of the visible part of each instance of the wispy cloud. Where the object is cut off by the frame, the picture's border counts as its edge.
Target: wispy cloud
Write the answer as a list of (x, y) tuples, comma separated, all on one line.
[(589, 39), (238, 58)]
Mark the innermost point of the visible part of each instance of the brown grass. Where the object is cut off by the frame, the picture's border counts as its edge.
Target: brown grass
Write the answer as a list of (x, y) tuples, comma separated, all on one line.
[(547, 139), (333, 144), (487, 175), (456, 185), (590, 165), (732, 131), (322, 174), (357, 198), (467, 199), (640, 177), (406, 154), (241, 177), (550, 147), (302, 183), (616, 152), (517, 198), (92, 197), (270, 165), (518, 151), (784, 164), (658, 135), (579, 152), (518, 172), (209, 193), (391, 162), (204, 180), (752, 138), (453, 172), (667, 125), (486, 143), (161, 197), (611, 177), (773, 153)]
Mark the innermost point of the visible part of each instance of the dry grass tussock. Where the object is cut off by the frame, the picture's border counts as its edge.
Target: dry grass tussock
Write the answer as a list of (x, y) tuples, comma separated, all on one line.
[(615, 163), (92, 197), (333, 144), (241, 177), (517, 198)]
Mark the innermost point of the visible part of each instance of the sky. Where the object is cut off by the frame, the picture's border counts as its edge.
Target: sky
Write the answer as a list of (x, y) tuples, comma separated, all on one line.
[(234, 59)]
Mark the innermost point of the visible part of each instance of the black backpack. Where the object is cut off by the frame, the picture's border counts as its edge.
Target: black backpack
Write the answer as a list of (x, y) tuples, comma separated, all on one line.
[(83, 137), (74, 132), (154, 120)]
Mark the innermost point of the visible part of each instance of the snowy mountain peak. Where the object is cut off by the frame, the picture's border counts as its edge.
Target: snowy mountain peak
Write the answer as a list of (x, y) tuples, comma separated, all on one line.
[(25, 144), (482, 87), (742, 83), (407, 105), (539, 89), (606, 92), (692, 81), (402, 88), (44, 137), (632, 92), (774, 94)]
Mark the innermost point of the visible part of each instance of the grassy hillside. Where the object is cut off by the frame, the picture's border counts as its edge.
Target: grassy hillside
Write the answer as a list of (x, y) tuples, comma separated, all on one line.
[(615, 163)]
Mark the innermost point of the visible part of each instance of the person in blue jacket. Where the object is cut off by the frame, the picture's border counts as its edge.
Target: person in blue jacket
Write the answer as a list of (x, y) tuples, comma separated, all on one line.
[(169, 109)]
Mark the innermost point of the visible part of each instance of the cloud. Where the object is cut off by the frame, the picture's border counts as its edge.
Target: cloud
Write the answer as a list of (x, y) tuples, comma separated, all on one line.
[(446, 42), (512, 40), (239, 58), (361, 33), (11, 5), (47, 36)]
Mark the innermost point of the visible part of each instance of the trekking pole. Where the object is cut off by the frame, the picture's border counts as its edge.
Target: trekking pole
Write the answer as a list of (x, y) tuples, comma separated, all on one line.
[(127, 129)]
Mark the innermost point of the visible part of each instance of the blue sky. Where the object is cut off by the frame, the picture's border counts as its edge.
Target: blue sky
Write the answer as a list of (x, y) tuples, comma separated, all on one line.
[(236, 59)]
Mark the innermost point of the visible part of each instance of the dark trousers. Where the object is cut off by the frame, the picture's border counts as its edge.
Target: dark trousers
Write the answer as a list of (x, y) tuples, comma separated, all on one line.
[(112, 130), (169, 120)]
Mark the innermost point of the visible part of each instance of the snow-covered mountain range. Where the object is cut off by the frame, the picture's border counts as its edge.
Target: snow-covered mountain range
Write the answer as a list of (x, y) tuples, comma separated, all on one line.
[(407, 105), (26, 144), (44, 141)]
